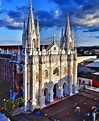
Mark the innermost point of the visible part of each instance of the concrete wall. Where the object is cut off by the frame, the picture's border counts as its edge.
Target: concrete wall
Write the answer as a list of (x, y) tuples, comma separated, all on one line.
[(82, 58)]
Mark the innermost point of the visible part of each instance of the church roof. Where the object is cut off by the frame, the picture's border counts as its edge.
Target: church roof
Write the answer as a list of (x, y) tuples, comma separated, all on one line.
[(52, 45), (47, 47), (91, 59), (95, 64)]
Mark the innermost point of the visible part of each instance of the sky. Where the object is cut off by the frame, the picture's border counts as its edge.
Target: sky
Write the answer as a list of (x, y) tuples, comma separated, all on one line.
[(84, 19)]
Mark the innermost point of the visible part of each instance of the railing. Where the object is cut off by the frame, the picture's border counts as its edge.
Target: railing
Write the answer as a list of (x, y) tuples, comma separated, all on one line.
[(92, 88)]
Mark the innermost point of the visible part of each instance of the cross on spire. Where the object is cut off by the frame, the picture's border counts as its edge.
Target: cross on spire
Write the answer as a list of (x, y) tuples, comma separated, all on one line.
[(30, 2)]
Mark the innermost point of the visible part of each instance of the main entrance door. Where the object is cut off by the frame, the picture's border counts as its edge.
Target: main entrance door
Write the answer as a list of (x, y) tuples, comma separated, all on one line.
[(55, 90), (46, 94), (64, 89)]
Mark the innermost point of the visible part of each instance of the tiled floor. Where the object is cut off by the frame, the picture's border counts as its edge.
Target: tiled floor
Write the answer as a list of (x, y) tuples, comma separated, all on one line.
[(55, 101)]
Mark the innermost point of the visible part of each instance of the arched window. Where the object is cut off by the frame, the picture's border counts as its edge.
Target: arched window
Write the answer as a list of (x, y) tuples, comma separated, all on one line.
[(83, 82), (56, 71), (89, 83), (79, 81), (54, 48), (46, 73), (64, 71)]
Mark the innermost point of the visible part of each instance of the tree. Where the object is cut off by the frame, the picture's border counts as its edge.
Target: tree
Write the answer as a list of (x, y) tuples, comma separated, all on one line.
[(9, 104)]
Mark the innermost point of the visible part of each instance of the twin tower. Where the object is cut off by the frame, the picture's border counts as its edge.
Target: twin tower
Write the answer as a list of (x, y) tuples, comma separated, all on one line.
[(49, 71)]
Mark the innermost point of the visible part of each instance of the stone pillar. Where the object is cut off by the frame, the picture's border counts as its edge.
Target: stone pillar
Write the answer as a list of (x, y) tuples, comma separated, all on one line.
[(70, 73), (58, 94), (42, 101), (61, 92), (65, 90), (75, 85), (75, 89), (51, 96), (41, 94), (70, 86), (25, 92), (25, 89)]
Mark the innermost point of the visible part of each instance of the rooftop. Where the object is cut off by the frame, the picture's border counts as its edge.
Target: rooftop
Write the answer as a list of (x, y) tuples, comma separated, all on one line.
[(95, 64)]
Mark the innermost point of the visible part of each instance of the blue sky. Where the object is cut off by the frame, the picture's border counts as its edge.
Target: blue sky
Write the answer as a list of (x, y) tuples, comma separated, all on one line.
[(84, 18)]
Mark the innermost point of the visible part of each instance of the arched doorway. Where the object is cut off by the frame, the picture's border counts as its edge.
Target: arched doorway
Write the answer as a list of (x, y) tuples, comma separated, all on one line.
[(89, 84), (55, 91), (64, 89), (46, 94)]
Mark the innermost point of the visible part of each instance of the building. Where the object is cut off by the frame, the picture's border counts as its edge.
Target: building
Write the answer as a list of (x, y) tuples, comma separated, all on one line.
[(95, 79), (88, 73), (43, 72)]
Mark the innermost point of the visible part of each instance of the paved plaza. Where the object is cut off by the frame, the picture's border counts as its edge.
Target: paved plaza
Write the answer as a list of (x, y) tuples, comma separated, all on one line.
[(65, 109)]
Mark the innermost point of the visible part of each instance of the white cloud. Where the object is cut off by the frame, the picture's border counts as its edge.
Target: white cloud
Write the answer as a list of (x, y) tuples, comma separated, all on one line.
[(11, 22), (89, 20)]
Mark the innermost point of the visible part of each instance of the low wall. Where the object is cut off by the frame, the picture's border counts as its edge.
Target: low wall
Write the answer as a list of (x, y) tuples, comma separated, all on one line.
[(82, 58), (92, 88)]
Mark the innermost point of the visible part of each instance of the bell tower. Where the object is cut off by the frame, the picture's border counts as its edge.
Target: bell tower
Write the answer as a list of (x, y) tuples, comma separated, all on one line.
[(31, 33)]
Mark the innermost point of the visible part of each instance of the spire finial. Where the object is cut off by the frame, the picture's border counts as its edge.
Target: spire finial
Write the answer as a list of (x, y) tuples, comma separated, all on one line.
[(67, 29), (54, 37), (31, 25), (68, 15), (30, 2)]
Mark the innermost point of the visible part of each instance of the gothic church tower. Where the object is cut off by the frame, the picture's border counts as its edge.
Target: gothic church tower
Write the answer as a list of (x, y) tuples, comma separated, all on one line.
[(30, 58), (31, 33), (67, 40)]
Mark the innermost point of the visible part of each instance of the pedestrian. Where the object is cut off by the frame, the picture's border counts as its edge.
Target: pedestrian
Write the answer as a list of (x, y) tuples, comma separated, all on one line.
[(85, 104)]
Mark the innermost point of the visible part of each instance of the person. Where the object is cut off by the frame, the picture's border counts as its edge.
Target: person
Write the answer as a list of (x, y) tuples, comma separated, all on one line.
[(85, 104)]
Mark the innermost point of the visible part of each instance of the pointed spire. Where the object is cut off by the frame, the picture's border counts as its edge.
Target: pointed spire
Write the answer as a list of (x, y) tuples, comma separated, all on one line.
[(31, 26), (62, 33), (30, 2), (72, 33), (62, 40), (67, 30), (54, 38)]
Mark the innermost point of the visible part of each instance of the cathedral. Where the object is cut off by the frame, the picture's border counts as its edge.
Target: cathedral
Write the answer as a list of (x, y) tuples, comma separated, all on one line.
[(49, 71), (40, 73)]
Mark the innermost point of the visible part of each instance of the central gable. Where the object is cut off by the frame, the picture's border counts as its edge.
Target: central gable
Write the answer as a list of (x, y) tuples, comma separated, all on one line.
[(53, 48)]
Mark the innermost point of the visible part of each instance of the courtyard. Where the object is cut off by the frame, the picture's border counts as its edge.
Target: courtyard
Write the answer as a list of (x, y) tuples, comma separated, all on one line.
[(65, 109)]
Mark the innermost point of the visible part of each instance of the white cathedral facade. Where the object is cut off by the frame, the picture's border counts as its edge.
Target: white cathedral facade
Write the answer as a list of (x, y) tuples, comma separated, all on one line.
[(49, 71)]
